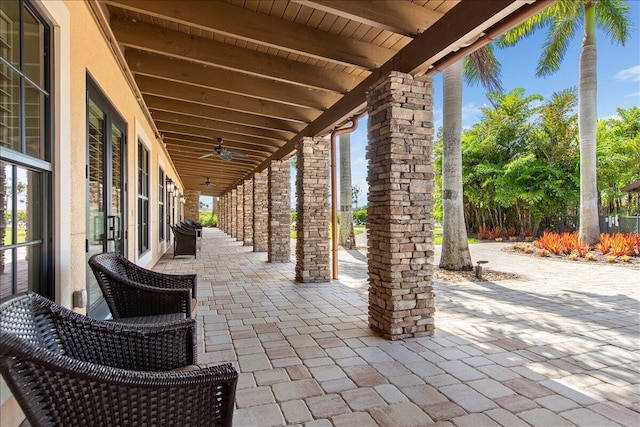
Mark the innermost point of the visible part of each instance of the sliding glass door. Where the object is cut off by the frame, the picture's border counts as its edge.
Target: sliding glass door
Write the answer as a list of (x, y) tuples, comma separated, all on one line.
[(106, 188)]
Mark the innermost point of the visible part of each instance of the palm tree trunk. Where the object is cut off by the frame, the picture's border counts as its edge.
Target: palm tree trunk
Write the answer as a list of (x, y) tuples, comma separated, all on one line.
[(455, 248), (347, 236), (587, 117)]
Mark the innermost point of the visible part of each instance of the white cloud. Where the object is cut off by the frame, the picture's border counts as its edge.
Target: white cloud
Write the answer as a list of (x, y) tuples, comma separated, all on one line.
[(633, 95), (629, 74)]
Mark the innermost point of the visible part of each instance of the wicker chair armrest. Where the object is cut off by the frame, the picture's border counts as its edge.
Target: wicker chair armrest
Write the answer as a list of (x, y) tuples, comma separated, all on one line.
[(149, 285), (185, 230), (168, 280), (144, 347)]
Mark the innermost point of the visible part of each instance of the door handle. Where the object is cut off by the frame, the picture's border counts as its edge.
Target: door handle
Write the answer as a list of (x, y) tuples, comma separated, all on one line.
[(114, 230)]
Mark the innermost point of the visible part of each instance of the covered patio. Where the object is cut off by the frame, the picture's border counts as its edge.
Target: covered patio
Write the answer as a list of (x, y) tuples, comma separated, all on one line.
[(542, 349)]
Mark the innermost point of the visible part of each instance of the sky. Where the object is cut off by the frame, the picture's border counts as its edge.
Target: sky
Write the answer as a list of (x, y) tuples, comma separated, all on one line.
[(618, 84)]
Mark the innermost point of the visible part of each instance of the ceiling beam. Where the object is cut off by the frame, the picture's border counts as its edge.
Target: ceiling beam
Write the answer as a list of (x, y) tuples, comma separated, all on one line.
[(177, 44), (171, 105), (404, 18), (229, 81), (216, 98), (223, 18)]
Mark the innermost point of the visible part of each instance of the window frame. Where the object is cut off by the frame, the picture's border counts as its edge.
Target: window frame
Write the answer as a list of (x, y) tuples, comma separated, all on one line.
[(142, 195), (161, 195), (42, 164)]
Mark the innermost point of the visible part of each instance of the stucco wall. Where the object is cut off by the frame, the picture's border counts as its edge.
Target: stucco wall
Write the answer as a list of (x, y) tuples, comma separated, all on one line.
[(80, 49)]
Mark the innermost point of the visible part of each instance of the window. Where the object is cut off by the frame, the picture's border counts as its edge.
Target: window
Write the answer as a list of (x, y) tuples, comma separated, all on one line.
[(26, 258), (161, 195), (143, 199)]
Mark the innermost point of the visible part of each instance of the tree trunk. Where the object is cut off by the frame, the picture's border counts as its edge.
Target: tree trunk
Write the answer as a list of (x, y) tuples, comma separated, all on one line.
[(587, 121), (455, 248), (347, 236)]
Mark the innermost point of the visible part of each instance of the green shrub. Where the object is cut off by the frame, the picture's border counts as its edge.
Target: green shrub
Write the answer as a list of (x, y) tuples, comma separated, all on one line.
[(360, 217), (207, 219)]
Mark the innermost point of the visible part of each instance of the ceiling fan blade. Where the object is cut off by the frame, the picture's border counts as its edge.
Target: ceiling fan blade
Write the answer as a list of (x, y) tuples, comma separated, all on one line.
[(225, 155), (206, 155), (237, 154)]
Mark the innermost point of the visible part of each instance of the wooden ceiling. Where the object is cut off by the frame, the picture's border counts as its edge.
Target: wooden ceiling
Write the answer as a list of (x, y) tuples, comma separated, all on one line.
[(262, 74)]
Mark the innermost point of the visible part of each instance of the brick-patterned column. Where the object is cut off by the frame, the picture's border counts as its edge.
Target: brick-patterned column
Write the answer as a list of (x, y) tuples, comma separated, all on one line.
[(260, 211), (232, 213), (400, 220), (279, 223), (312, 206), (228, 221), (192, 205), (221, 216), (215, 206), (222, 213), (240, 213), (248, 212)]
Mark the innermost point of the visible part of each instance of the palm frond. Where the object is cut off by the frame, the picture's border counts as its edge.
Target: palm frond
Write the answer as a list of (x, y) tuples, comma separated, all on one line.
[(482, 67), (555, 47), (612, 17)]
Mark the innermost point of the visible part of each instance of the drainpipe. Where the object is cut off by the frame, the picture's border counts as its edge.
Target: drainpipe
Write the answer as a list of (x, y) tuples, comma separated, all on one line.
[(334, 194)]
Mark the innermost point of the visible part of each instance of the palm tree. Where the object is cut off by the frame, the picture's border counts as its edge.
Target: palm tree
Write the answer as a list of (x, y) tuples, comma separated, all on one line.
[(479, 67), (562, 19), (347, 234)]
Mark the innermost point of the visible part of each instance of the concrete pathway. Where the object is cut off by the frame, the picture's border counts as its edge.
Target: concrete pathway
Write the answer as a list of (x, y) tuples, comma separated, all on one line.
[(558, 347)]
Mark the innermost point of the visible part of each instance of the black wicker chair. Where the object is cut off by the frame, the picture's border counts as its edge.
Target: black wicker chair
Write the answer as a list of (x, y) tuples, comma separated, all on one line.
[(68, 369), (133, 291), (185, 241)]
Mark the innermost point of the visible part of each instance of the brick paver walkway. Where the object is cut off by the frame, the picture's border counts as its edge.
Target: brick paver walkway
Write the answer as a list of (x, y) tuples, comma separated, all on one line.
[(558, 347)]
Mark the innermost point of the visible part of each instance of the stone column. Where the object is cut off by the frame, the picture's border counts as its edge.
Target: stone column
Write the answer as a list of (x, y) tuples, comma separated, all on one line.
[(192, 205), (400, 220), (232, 213), (221, 213), (248, 212), (228, 209), (214, 206), (240, 213), (260, 211), (312, 206), (279, 223)]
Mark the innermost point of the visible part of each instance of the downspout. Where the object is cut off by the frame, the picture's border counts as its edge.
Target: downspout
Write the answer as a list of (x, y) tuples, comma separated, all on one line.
[(334, 195)]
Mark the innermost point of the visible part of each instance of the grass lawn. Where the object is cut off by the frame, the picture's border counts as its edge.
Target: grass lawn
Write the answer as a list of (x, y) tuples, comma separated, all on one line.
[(437, 237), (8, 234)]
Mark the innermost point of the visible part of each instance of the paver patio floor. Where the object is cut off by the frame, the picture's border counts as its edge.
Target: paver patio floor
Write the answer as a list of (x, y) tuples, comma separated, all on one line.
[(559, 346)]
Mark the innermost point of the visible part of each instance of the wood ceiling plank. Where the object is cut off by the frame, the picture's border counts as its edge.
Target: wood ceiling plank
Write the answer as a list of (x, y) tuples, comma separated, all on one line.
[(171, 105), (183, 46), (229, 81), (398, 17), (232, 141), (263, 29), (217, 125), (201, 144), (231, 101)]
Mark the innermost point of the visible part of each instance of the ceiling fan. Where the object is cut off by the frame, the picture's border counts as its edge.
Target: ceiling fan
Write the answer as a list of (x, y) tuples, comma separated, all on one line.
[(208, 183), (223, 153)]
